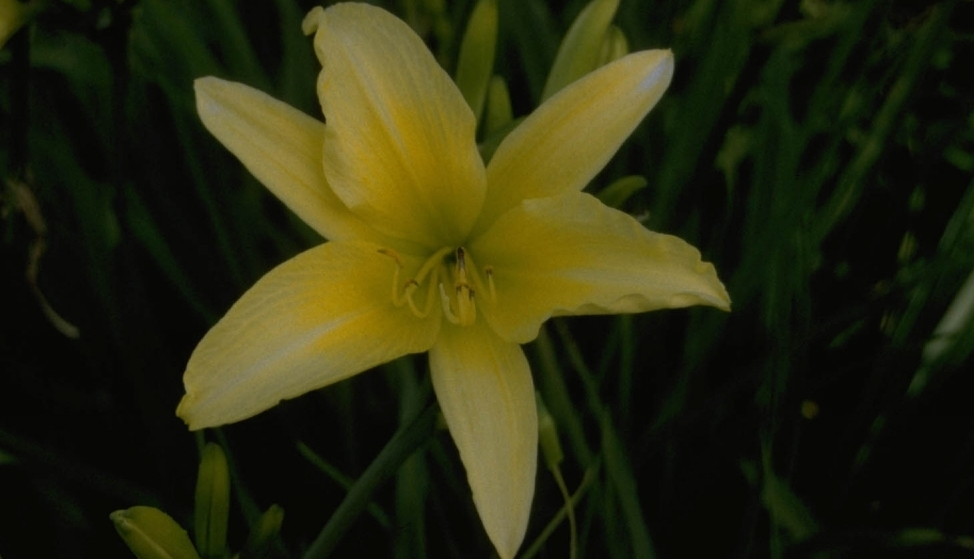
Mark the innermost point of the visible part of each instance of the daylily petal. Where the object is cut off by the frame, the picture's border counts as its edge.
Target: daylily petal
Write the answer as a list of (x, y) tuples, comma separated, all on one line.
[(281, 146), (571, 254), (570, 138), (318, 318), (399, 142), (486, 393)]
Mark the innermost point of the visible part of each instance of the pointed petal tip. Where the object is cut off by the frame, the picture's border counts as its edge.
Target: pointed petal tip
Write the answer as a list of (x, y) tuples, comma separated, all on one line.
[(485, 390), (569, 139), (708, 290), (313, 20), (201, 82), (723, 301), (204, 88), (660, 65), (593, 260), (717, 296), (185, 412), (209, 87), (712, 292), (213, 95), (316, 319)]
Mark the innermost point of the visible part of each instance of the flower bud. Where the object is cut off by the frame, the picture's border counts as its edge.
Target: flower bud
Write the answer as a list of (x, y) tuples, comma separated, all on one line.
[(614, 46), (476, 61), (212, 502), (499, 112), (262, 535), (548, 436), (616, 194), (153, 534), (581, 48)]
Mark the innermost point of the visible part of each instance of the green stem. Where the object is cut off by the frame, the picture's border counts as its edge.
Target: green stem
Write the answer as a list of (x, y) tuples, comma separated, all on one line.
[(591, 475), (617, 466), (558, 399), (340, 478), (403, 444)]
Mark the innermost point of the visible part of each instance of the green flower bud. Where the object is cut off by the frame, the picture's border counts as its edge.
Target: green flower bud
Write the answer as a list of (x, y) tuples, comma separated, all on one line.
[(499, 112), (616, 194), (548, 436), (153, 534), (614, 46), (581, 48), (212, 503), (476, 61), (262, 535)]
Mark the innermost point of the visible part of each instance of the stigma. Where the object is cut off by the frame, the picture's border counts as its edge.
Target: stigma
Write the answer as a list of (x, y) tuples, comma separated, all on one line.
[(453, 274)]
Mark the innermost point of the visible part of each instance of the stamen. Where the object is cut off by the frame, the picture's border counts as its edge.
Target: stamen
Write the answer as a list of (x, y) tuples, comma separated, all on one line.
[(466, 306), (447, 311), (396, 300), (406, 296), (489, 272), (464, 311), (475, 277), (431, 263), (391, 254), (410, 289)]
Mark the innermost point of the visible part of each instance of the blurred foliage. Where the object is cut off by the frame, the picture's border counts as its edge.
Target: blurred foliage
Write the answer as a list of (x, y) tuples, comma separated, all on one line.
[(819, 152)]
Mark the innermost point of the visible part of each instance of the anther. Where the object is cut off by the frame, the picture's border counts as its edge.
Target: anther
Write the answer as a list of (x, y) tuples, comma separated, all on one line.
[(489, 272), (466, 305), (474, 279), (391, 254)]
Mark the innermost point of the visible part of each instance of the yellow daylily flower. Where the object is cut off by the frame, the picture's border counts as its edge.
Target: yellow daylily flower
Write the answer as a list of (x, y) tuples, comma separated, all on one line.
[(429, 250)]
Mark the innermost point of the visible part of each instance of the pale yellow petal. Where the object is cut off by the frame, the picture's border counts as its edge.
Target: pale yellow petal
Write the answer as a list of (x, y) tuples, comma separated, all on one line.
[(570, 138), (281, 146), (571, 254), (399, 147), (318, 318), (485, 389)]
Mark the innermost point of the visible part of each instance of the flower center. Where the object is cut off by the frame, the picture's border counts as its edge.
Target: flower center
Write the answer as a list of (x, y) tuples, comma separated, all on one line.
[(446, 267)]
